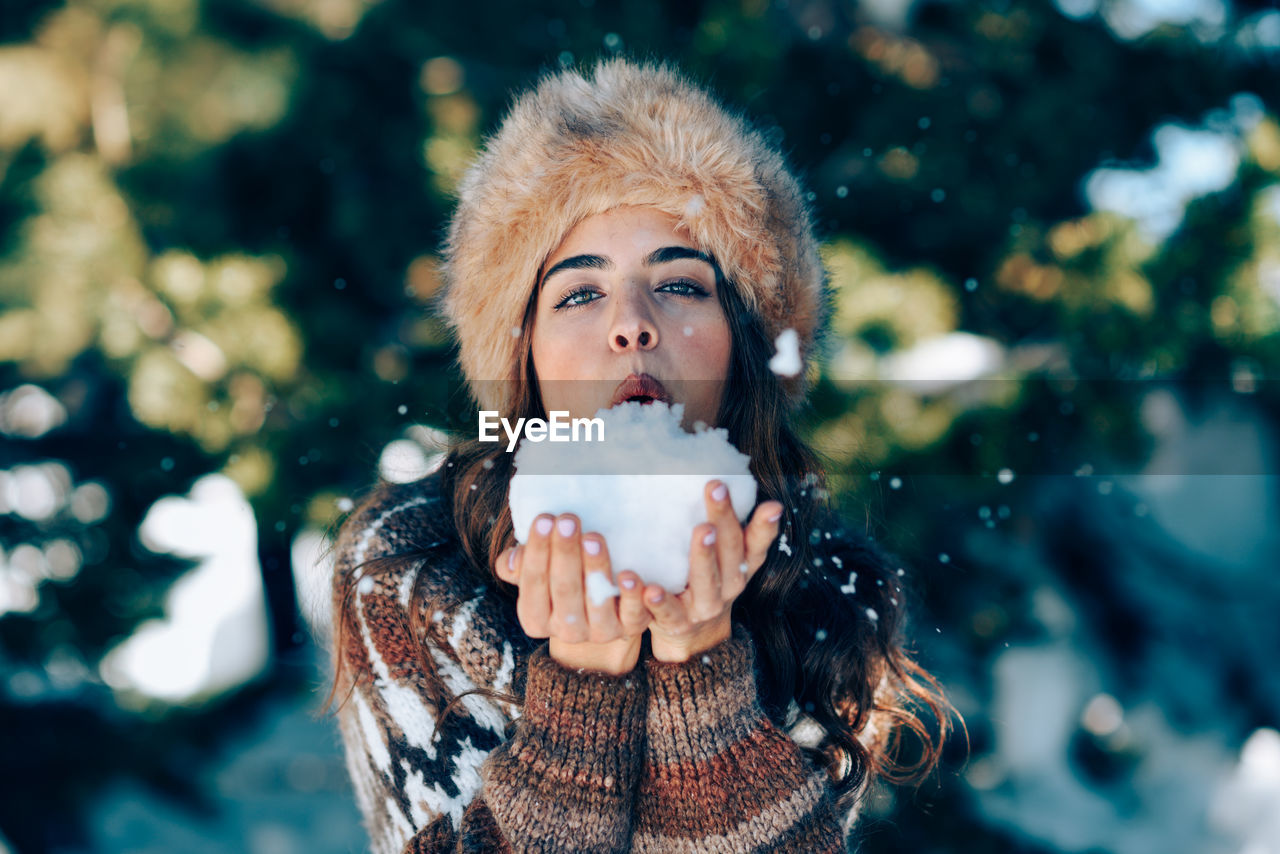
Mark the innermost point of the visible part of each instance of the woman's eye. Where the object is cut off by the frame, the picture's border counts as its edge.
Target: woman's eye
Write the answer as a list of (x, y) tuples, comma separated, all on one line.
[(586, 294), (574, 298), (687, 287)]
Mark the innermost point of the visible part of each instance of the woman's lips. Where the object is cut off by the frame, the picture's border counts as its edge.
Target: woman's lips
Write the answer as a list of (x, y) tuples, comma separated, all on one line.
[(640, 386)]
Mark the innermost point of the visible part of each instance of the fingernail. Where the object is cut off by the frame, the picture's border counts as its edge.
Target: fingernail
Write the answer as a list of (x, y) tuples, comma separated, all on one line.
[(511, 560), (592, 547), (776, 516), (570, 618), (543, 526), (743, 568), (720, 492), (566, 527), (655, 597), (709, 538), (629, 583)]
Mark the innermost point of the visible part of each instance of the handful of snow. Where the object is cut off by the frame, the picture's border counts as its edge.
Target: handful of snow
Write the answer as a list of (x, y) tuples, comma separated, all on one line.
[(641, 488)]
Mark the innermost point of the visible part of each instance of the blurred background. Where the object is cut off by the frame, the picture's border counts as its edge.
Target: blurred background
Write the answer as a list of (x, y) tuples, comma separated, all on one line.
[(1055, 231)]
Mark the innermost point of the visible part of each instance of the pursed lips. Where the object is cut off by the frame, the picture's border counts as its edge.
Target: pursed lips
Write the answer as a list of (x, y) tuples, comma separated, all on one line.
[(642, 387)]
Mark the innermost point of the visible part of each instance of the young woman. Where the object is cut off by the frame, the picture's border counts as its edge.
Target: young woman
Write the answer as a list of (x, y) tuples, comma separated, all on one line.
[(623, 236)]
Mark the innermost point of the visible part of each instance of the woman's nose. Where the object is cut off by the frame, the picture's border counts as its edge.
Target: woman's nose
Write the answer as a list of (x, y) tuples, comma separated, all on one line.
[(632, 327)]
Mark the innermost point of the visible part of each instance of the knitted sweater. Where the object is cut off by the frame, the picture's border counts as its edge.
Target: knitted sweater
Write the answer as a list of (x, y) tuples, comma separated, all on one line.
[(671, 757)]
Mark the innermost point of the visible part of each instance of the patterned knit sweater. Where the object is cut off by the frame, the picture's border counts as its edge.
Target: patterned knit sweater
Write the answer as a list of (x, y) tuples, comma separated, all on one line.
[(671, 757)]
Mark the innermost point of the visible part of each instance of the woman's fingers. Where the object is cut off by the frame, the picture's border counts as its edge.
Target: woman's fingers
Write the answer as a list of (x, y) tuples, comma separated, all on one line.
[(507, 566), (722, 558), (533, 606), (760, 533), (602, 596), (669, 613), (632, 613), (568, 610), (567, 583), (567, 588), (704, 591), (729, 546)]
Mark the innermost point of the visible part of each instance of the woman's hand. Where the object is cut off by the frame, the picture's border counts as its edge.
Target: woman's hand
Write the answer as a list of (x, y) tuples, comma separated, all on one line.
[(551, 569), (723, 557)]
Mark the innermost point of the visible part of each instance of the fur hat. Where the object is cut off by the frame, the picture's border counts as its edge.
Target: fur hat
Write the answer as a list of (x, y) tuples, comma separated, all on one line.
[(629, 134)]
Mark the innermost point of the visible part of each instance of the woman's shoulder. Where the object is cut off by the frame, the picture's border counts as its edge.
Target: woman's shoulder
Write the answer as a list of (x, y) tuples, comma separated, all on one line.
[(400, 555), (397, 518), (401, 531)]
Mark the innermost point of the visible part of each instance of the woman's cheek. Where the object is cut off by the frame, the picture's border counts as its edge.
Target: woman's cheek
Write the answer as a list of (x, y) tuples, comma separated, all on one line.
[(711, 344), (560, 352)]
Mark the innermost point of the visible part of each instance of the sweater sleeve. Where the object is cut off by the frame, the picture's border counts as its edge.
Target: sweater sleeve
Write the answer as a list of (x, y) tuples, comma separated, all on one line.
[(717, 774), (564, 781)]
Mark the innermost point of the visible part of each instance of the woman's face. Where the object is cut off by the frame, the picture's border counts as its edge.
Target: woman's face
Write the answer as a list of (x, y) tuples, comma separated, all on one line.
[(626, 294)]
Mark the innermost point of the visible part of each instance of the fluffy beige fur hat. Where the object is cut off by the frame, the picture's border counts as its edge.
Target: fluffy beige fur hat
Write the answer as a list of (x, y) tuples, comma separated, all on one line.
[(627, 134)]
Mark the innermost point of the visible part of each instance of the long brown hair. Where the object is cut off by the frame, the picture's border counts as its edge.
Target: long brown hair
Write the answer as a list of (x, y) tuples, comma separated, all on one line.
[(839, 654)]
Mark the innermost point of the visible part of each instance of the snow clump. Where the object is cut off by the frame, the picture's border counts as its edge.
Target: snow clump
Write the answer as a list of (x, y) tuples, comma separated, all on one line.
[(641, 487), (786, 359)]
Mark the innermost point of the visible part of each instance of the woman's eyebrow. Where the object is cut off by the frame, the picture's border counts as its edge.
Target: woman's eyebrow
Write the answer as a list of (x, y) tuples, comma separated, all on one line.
[(580, 262), (676, 253), (657, 256)]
